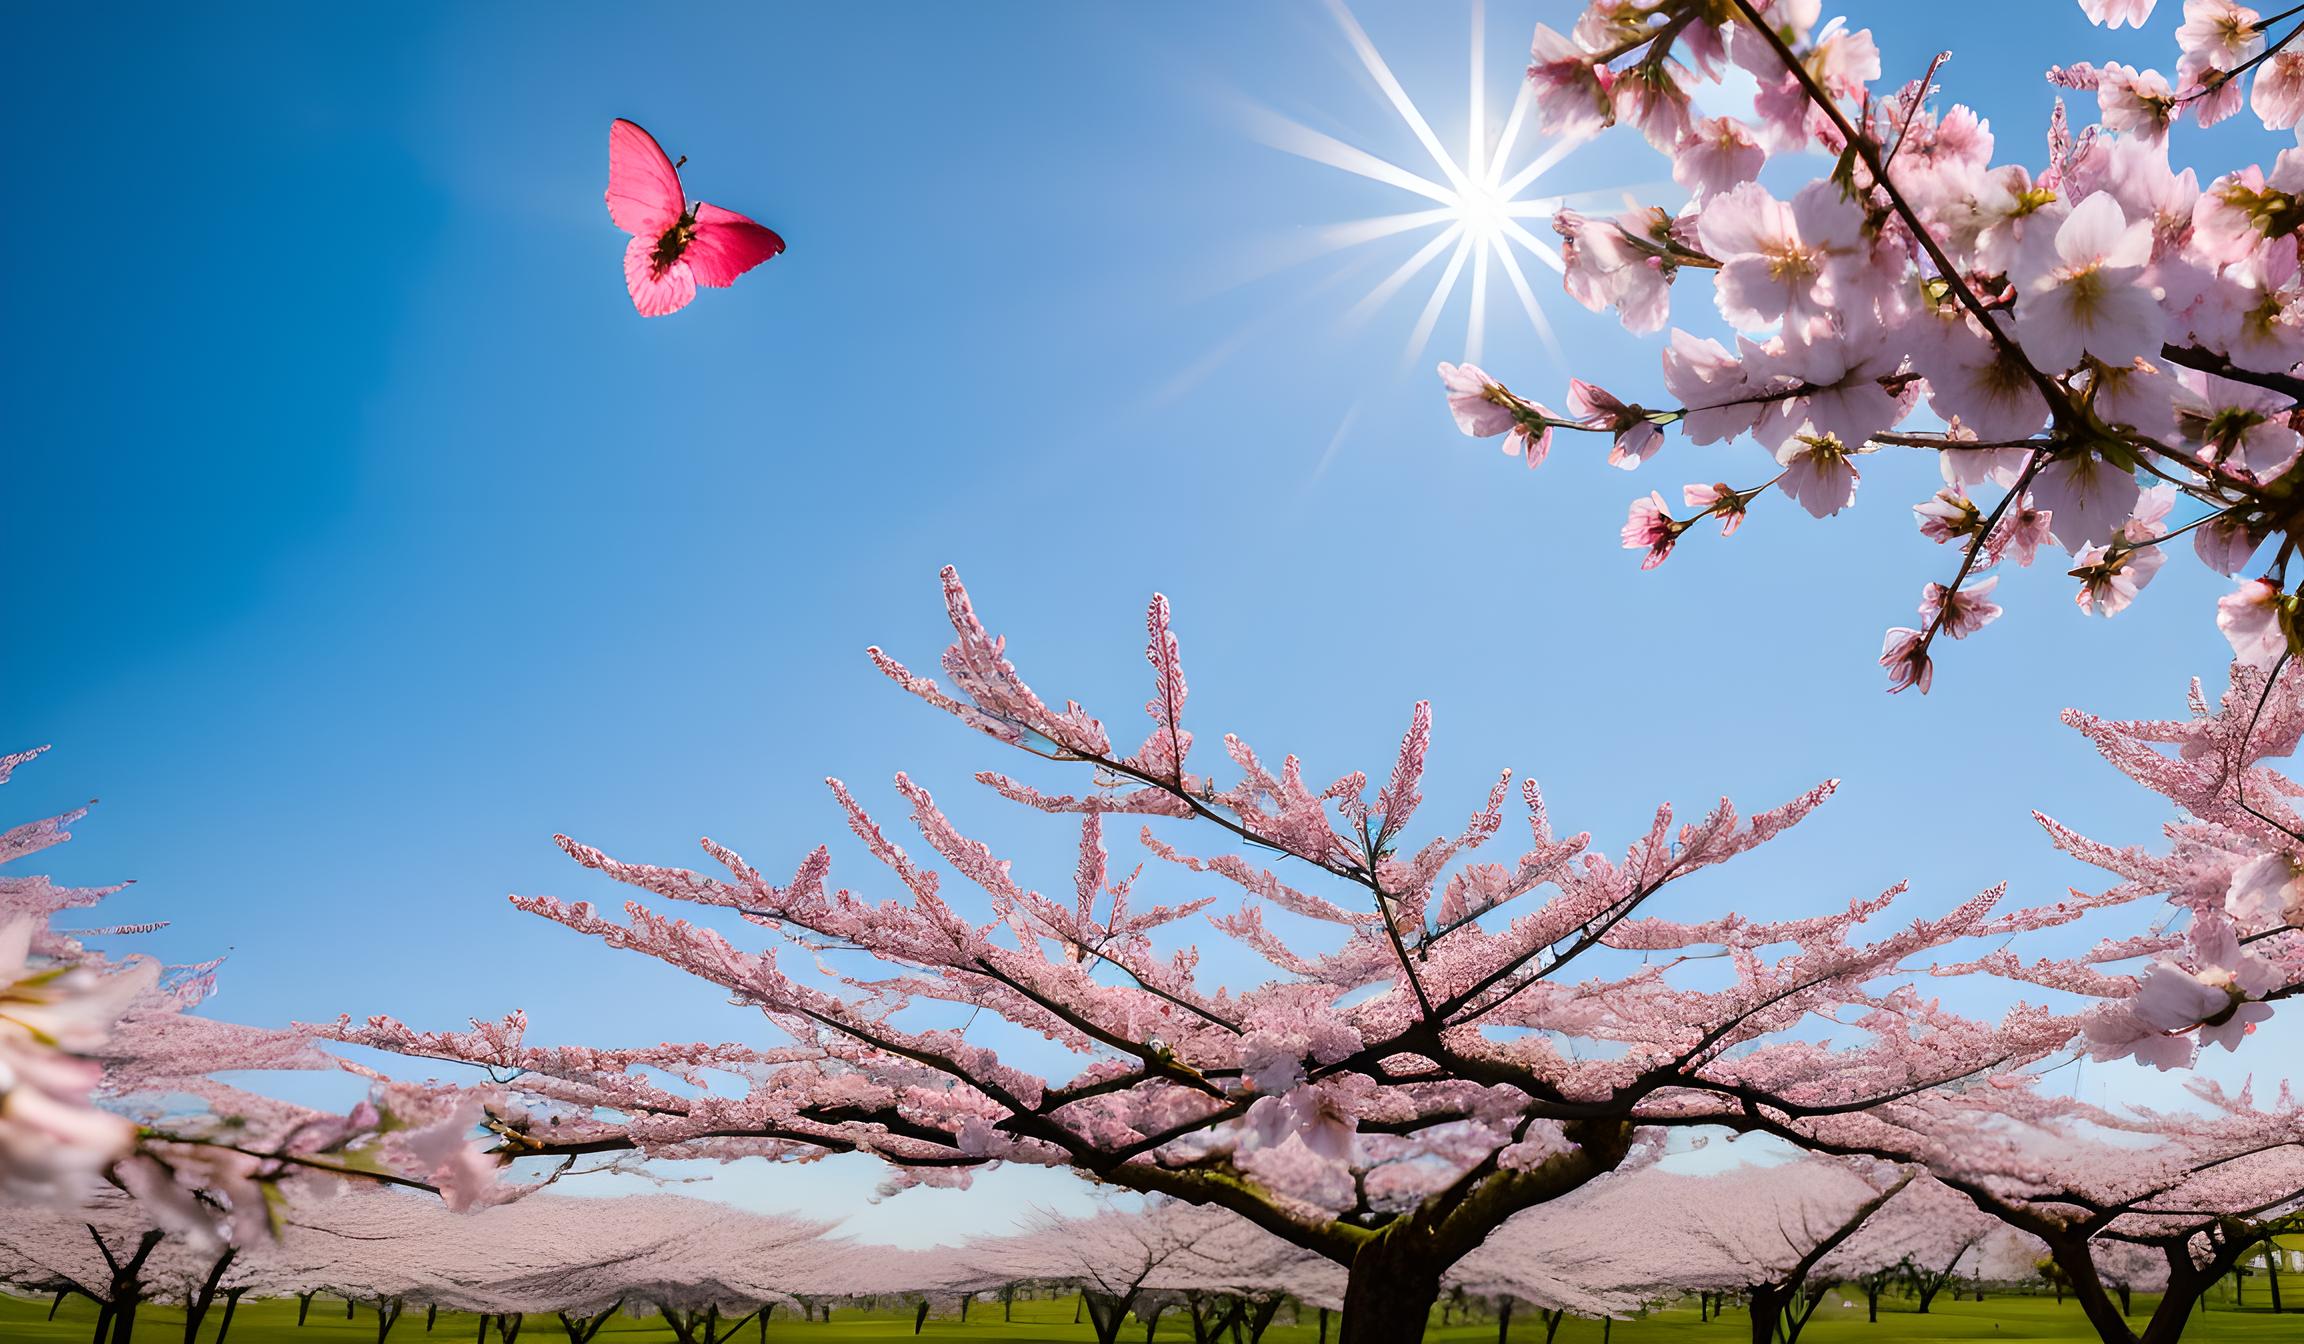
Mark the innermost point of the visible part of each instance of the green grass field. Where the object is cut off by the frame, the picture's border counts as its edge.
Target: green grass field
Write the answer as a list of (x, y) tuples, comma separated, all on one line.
[(1996, 1318)]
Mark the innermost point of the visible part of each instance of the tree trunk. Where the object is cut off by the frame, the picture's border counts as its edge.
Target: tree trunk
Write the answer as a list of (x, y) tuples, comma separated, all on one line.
[(1259, 1318), (124, 1321), (1504, 1321), (920, 1317), (1152, 1322), (1767, 1310), (1323, 1325), (1551, 1322), (508, 1326), (1389, 1291), (231, 1304), (1872, 1303), (2121, 1288), (1106, 1313), (483, 1338), (387, 1316), (103, 1323), (431, 1316), (2272, 1274), (303, 1307), (2168, 1320), (1079, 1306), (2079, 1268), (196, 1305)]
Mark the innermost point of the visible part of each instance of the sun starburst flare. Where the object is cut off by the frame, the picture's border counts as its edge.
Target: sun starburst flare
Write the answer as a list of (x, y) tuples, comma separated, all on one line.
[(1476, 223)]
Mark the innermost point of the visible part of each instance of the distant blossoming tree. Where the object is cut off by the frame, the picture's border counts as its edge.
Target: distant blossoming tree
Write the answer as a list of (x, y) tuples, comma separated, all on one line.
[(2103, 352), (1462, 1048), (2109, 1193)]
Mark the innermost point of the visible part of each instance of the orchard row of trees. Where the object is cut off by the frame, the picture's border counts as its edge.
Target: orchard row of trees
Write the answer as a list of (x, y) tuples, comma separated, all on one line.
[(1455, 1038), (1780, 1240)]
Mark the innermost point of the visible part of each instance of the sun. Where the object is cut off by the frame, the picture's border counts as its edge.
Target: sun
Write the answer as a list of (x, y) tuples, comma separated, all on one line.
[(1474, 223)]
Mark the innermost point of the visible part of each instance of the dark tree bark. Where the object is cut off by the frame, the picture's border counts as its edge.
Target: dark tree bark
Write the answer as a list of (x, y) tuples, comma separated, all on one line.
[(1106, 1312), (231, 1305), (1503, 1320), (1257, 1316), (303, 1307)]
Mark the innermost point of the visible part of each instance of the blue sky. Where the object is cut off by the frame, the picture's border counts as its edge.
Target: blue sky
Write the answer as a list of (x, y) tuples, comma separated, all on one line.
[(361, 536)]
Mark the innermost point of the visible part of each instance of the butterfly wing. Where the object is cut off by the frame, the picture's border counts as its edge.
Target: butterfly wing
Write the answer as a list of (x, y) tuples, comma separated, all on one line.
[(655, 295), (643, 187), (727, 245)]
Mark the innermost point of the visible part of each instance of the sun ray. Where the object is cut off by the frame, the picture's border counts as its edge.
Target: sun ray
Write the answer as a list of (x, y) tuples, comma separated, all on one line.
[(1552, 154), (1510, 135), (1476, 320), (1430, 317), (1542, 249), (1408, 270), (1373, 61), (1528, 302), (1476, 106), (1476, 209), (1296, 138)]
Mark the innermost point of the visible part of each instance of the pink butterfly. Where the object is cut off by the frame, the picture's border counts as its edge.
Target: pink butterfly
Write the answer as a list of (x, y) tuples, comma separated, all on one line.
[(674, 247)]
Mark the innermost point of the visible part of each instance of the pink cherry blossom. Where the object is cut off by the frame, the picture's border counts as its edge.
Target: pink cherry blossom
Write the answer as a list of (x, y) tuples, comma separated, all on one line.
[(2088, 297), (1905, 654), (2255, 619), (1648, 527), (2136, 102), (1571, 99), (1637, 437), (2277, 94), (2226, 544), (1948, 516), (1793, 261), (1819, 473), (2089, 497), (1717, 154), (1963, 613), (2267, 890), (1485, 408), (2115, 13), (1718, 500)]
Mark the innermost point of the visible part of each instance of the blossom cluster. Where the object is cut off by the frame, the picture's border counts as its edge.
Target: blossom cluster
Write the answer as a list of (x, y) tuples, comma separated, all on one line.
[(2101, 350)]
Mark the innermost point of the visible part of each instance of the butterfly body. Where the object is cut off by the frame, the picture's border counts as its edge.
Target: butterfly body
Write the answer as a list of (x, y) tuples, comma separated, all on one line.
[(674, 242), (675, 246)]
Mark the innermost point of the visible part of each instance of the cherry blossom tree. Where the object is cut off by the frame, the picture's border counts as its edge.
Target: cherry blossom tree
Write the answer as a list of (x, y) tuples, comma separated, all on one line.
[(102, 1251), (2199, 1190), (1464, 1049), (2106, 349), (1921, 1239), (1221, 1267), (1779, 1235), (707, 1269), (2233, 877)]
